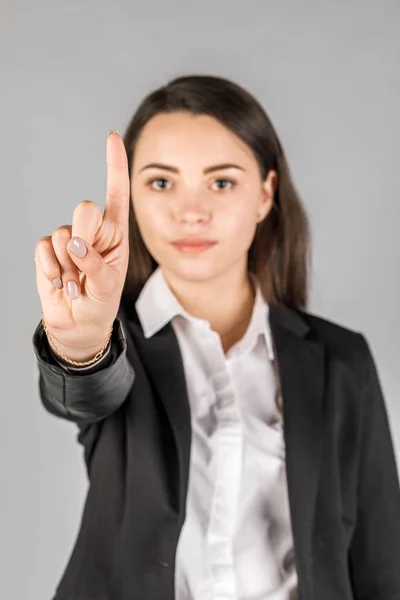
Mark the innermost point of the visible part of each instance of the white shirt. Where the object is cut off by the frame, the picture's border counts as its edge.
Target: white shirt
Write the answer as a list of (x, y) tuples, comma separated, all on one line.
[(236, 542)]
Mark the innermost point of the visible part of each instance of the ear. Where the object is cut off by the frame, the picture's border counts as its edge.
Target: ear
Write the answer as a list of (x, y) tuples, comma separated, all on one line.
[(269, 186)]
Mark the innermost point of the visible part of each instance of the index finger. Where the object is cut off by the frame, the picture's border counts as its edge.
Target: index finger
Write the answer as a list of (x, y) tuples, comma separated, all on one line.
[(118, 185)]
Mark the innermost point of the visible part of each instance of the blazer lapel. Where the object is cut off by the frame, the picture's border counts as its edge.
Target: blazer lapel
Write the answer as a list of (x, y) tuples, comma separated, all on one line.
[(162, 360), (301, 369)]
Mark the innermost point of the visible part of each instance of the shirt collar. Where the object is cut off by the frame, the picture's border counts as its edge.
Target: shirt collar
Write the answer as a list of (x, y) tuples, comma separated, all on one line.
[(156, 305)]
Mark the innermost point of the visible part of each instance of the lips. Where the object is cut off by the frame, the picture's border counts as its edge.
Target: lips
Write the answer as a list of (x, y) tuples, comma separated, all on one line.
[(193, 246), (193, 242)]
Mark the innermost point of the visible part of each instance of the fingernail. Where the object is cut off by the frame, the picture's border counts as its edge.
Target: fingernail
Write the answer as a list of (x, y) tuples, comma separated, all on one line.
[(77, 247), (73, 290), (113, 131), (57, 282)]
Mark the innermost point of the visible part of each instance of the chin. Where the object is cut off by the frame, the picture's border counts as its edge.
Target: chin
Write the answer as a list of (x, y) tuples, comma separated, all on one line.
[(193, 270)]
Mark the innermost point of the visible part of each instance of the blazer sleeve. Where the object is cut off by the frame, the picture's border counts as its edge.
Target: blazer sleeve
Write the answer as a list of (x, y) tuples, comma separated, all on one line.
[(81, 396), (374, 555)]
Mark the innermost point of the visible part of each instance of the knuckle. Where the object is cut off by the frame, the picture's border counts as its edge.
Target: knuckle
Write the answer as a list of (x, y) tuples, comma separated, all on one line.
[(61, 234), (42, 246), (44, 238), (43, 242), (86, 207), (117, 194)]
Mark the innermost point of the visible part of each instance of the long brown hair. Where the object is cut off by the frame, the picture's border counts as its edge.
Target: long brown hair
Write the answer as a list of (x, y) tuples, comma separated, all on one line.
[(280, 252)]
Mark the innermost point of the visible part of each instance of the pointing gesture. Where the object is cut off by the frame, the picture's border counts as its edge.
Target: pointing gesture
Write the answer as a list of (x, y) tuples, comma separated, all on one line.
[(81, 268)]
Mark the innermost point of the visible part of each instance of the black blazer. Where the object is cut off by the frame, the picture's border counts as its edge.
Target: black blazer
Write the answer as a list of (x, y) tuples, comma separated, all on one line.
[(343, 483)]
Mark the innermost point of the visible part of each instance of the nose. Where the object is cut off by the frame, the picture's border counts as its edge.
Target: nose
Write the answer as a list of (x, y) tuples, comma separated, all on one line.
[(192, 210), (193, 217)]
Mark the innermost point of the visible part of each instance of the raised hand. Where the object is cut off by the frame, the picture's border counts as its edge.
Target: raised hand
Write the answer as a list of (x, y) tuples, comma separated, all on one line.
[(89, 259)]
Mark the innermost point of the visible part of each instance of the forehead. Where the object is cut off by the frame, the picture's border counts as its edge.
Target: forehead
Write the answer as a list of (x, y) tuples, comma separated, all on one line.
[(181, 135)]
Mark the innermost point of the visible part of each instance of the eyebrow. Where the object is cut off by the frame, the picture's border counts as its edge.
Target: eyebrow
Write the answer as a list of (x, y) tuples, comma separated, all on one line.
[(205, 171)]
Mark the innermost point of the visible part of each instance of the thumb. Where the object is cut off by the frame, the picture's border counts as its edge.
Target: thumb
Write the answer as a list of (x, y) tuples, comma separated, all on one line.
[(91, 263)]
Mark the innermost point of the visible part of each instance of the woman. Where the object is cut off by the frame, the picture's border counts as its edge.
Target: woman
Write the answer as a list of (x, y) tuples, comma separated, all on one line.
[(237, 446)]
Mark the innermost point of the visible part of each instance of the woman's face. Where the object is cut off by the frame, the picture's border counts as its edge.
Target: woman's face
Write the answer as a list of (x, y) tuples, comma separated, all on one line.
[(186, 197)]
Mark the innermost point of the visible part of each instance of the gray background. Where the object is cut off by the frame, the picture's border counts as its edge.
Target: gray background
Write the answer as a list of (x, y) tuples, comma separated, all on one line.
[(328, 75)]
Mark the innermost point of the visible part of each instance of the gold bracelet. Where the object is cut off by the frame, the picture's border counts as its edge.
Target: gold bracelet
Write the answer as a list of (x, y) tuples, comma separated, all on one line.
[(69, 360)]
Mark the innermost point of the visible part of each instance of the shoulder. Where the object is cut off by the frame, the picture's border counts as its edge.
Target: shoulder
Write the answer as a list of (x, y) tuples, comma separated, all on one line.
[(328, 331), (344, 344)]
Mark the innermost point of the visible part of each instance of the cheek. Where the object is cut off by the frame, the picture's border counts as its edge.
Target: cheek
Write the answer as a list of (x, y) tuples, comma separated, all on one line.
[(240, 222), (151, 220)]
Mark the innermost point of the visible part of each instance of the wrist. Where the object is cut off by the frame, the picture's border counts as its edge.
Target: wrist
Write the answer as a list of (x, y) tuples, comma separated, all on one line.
[(78, 352), (74, 353), (82, 369)]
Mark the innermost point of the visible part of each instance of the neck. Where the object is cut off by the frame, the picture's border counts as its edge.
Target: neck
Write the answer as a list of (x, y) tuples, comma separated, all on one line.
[(225, 301)]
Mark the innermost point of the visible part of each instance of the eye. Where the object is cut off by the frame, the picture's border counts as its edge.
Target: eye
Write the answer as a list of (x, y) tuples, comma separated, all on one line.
[(158, 179), (230, 181), (165, 181)]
